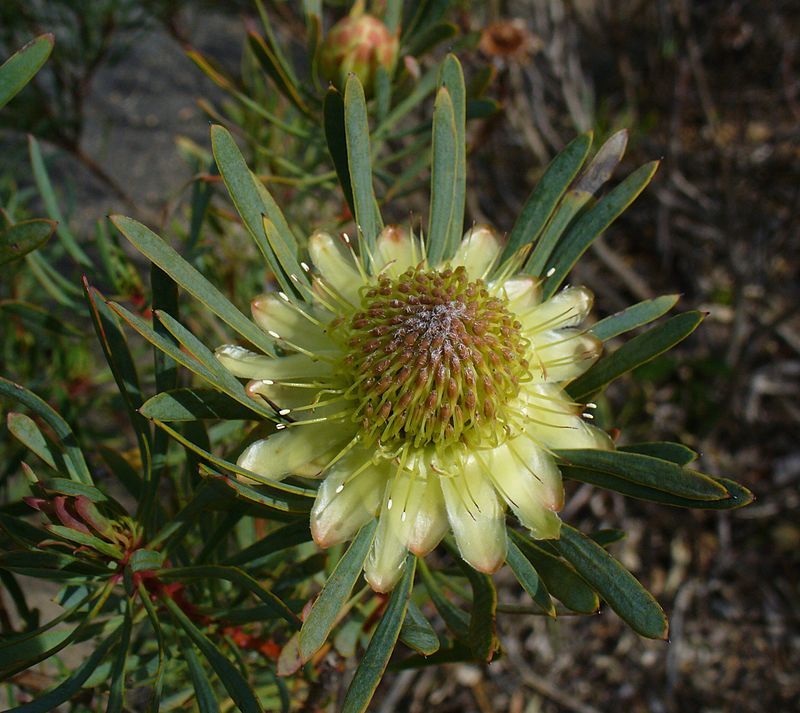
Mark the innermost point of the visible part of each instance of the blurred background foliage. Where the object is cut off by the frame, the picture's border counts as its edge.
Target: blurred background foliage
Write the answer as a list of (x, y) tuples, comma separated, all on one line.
[(119, 119)]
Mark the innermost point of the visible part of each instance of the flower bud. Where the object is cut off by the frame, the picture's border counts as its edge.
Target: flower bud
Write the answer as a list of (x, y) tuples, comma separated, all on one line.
[(360, 44)]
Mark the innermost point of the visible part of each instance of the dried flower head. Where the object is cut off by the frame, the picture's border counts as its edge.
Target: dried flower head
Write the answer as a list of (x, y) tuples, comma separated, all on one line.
[(506, 40), (429, 395)]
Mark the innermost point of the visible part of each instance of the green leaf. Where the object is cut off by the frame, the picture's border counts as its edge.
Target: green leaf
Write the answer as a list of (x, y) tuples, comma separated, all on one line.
[(623, 592), (36, 318), (293, 497), (204, 691), (23, 65), (531, 582), (81, 538), (72, 685), (326, 609), (430, 37), (561, 579), (356, 126), (444, 172), (210, 370), (254, 202), (736, 495), (545, 197), (635, 352), (275, 70), (238, 577), (51, 205), (417, 633), (155, 249), (592, 223), (143, 560), (119, 359), (482, 636), (336, 138), (376, 657), (570, 205), (194, 404), (452, 79), (158, 678), (648, 471), (235, 684), (423, 88), (25, 430), (281, 539), (73, 457), (634, 316), (19, 239), (279, 505), (116, 695), (456, 619), (674, 452)]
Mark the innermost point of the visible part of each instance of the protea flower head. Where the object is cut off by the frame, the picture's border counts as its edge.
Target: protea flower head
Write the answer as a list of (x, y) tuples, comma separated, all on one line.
[(428, 395), (359, 43)]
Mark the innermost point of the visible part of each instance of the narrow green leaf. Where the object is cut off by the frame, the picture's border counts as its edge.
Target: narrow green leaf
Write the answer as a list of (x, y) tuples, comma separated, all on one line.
[(482, 635), (607, 536), (253, 202), (143, 560), (203, 690), (452, 79), (72, 685), (417, 633), (21, 238), (433, 35), (648, 471), (336, 139), (531, 582), (194, 404), (444, 172), (158, 679), (603, 163), (120, 361), (25, 430), (634, 316), (592, 223), (457, 620), (279, 505), (356, 126), (235, 684), (376, 657), (334, 595), (281, 539), (292, 496), (62, 291), (238, 577), (545, 197), (736, 495), (75, 489), (561, 579), (165, 299), (635, 352), (209, 372), (81, 538), (623, 592), (73, 457), (425, 86), (155, 249), (572, 203), (674, 452), (116, 695), (275, 70), (36, 318), (51, 205), (23, 65)]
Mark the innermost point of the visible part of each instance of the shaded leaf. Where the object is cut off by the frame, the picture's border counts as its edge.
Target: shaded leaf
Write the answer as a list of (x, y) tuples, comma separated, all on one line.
[(417, 633), (334, 595), (23, 65), (376, 657), (623, 592), (635, 352), (531, 582), (634, 316), (21, 238), (646, 470)]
